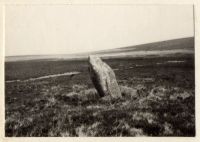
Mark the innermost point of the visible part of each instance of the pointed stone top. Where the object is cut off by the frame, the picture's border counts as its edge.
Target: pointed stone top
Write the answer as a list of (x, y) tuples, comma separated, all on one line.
[(94, 59)]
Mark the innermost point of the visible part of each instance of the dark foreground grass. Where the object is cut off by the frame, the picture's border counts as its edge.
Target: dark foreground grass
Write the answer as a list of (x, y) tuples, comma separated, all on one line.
[(158, 99)]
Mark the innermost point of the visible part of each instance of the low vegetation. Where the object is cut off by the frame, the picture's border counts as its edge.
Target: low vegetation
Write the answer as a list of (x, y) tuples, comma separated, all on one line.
[(158, 99)]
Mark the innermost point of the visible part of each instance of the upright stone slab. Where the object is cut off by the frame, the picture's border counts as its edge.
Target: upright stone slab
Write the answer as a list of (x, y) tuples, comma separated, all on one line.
[(103, 78)]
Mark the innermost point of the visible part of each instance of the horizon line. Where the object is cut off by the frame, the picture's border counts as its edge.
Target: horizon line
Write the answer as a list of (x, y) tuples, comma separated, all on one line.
[(87, 52)]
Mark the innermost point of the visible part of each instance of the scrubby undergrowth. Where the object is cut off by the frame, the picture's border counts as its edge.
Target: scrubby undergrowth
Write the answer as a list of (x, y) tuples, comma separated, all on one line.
[(158, 99), (162, 112)]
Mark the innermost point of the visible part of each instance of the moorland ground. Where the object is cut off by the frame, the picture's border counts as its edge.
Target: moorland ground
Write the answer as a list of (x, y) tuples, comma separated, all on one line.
[(163, 103)]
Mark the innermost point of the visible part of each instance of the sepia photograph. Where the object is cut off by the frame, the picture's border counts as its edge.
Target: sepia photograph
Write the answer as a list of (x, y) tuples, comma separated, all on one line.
[(100, 70)]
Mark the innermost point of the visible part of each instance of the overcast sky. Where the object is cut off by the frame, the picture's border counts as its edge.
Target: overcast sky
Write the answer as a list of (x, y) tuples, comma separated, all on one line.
[(66, 29)]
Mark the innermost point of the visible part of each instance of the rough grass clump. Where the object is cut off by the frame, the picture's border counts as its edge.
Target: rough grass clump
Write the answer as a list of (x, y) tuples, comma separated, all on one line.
[(129, 92)]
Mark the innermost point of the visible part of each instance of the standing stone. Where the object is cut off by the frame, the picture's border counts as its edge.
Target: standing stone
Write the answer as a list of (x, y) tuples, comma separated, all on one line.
[(103, 78)]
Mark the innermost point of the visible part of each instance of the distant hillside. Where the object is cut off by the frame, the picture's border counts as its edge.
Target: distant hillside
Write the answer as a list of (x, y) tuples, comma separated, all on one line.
[(183, 45)]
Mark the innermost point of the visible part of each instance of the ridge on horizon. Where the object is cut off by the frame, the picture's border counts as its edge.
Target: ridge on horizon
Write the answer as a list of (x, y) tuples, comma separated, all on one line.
[(106, 50)]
